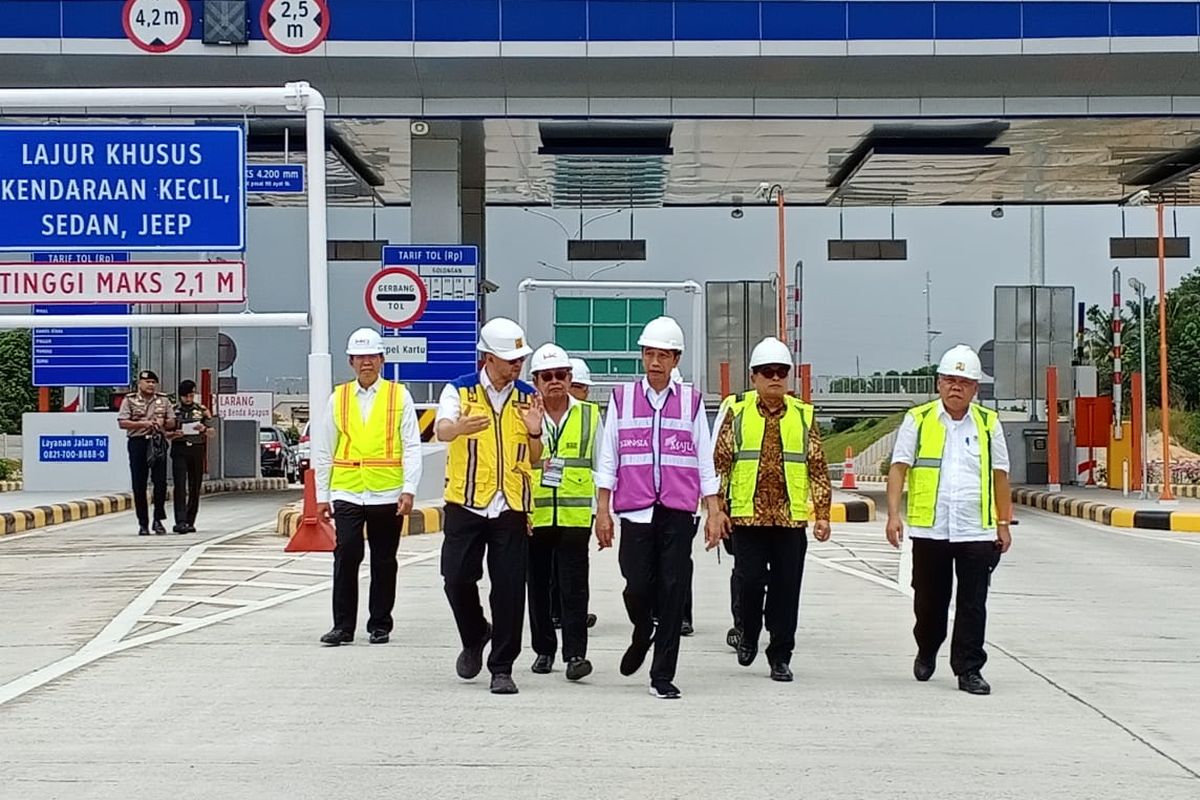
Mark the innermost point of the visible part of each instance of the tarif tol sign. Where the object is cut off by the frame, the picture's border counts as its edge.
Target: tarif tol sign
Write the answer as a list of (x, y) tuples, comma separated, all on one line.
[(122, 188)]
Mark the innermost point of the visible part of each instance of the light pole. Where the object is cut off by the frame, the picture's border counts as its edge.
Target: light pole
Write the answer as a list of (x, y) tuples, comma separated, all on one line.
[(930, 333), (1166, 496), (766, 191), (1140, 289)]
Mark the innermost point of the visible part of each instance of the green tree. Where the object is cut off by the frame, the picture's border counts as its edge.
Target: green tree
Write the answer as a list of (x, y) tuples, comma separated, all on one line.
[(17, 394)]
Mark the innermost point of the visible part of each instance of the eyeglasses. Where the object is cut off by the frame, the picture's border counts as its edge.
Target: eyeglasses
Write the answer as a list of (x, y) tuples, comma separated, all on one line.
[(771, 372), (554, 374), (515, 362)]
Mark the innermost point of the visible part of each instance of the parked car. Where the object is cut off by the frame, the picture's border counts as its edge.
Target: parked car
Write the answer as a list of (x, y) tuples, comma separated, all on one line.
[(277, 457), (303, 454)]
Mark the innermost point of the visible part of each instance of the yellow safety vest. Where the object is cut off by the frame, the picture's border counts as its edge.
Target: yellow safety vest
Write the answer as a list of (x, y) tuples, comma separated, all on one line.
[(496, 459), (368, 456), (749, 427), (570, 503), (926, 471)]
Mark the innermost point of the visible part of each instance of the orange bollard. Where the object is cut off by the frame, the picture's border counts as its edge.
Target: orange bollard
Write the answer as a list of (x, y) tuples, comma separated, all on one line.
[(806, 382), (725, 379), (848, 470), (314, 534)]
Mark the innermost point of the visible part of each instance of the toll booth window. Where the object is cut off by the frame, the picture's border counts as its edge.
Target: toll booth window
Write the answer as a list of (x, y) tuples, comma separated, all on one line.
[(604, 330)]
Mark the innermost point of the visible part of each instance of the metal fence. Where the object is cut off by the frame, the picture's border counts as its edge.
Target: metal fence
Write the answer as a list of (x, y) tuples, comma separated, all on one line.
[(874, 384)]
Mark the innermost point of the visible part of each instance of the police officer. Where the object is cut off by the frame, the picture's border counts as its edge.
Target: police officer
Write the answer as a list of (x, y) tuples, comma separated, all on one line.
[(367, 466), (768, 453), (195, 427), (146, 416), (563, 495), (953, 455), (493, 424)]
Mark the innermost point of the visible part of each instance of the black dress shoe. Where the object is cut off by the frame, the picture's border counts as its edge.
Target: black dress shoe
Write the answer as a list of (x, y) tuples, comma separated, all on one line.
[(747, 652), (177, 528), (578, 668), (503, 684), (591, 620), (664, 690), (470, 660), (189, 528), (158, 527), (781, 672), (973, 683), (143, 530), (543, 665), (336, 637), (380, 637), (686, 628), (733, 637), (631, 662), (923, 668)]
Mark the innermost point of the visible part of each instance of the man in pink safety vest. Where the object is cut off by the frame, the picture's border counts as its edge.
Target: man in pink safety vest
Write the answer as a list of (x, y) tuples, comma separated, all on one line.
[(654, 465)]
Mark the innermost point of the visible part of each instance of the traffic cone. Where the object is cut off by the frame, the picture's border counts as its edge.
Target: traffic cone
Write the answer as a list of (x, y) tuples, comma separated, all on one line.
[(848, 470), (314, 534)]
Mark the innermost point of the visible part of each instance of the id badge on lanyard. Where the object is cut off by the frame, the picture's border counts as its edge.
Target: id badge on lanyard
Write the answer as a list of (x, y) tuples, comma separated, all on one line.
[(552, 473)]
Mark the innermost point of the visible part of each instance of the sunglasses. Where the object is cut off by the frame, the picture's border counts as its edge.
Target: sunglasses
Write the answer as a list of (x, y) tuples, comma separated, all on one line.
[(554, 374), (515, 362), (773, 372)]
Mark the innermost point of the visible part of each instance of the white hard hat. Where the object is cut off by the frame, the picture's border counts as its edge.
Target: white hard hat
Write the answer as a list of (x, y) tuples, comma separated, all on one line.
[(770, 351), (503, 338), (580, 372), (662, 332), (549, 356), (365, 342), (961, 361)]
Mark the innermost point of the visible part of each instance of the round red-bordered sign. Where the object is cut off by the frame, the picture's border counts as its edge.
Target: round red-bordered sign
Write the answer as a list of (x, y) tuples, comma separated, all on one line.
[(310, 18), (181, 13), (396, 297)]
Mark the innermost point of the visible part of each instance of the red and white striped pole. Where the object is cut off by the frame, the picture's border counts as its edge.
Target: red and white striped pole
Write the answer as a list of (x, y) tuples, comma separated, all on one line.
[(1116, 352)]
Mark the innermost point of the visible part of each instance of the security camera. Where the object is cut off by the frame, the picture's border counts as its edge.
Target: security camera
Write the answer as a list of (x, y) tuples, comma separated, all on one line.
[(1138, 198), (763, 189), (998, 212)]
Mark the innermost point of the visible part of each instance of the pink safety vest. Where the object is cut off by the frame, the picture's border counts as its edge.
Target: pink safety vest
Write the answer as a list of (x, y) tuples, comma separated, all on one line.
[(678, 461)]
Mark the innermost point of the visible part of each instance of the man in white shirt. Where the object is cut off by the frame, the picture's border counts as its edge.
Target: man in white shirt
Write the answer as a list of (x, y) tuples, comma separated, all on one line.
[(367, 462), (955, 459)]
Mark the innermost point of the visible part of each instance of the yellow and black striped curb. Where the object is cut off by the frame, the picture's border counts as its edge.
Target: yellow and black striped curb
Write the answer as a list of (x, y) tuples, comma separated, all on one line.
[(425, 418), (1105, 514), (860, 510), (11, 486), (1179, 490), (27, 519), (423, 519)]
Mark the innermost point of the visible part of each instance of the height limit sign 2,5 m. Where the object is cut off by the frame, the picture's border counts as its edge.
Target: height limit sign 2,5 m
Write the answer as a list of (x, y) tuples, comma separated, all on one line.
[(396, 297)]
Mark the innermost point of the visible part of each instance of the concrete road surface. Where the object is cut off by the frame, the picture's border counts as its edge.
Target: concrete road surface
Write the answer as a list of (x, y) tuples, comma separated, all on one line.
[(1095, 666)]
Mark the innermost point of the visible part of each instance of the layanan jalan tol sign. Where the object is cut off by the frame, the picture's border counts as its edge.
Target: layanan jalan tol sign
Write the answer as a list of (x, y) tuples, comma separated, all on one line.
[(128, 188)]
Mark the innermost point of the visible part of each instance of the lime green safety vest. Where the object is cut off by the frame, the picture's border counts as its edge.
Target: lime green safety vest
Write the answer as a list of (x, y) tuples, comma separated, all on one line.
[(926, 471), (748, 430), (570, 503), (368, 456)]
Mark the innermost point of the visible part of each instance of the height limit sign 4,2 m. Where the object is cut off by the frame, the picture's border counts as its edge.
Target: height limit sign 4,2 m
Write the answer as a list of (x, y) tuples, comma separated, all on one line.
[(396, 297)]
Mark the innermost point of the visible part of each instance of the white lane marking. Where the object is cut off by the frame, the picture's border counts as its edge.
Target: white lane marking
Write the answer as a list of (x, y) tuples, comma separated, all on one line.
[(163, 620), (260, 570), (287, 587), (268, 556), (89, 654), (196, 599)]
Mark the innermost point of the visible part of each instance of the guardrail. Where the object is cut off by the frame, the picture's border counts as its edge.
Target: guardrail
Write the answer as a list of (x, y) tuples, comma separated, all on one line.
[(875, 384)]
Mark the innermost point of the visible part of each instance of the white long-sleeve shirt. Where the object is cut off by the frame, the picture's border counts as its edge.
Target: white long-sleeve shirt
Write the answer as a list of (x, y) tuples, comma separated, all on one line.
[(956, 515), (410, 435), (605, 472), (450, 407)]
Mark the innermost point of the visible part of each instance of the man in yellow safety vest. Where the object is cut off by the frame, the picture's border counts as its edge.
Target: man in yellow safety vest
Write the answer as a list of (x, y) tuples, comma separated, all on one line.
[(563, 499), (368, 466), (493, 424), (955, 459), (769, 456)]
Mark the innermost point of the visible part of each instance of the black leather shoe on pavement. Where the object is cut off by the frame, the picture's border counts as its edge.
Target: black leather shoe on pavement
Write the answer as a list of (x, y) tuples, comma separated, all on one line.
[(543, 665), (158, 527), (781, 672), (380, 637), (503, 684), (664, 690), (733, 637), (143, 531), (591, 620), (189, 528), (923, 668), (336, 637), (470, 660), (973, 683), (747, 652), (578, 668), (177, 528), (631, 662), (686, 628)]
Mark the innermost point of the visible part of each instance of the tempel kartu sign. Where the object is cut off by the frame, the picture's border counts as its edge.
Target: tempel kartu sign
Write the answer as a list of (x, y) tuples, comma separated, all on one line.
[(122, 188)]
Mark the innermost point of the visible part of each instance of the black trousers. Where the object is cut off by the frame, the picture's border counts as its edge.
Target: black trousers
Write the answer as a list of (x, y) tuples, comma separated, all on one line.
[(505, 540), (187, 473), (656, 562), (770, 560), (566, 549), (383, 532), (935, 563), (142, 471)]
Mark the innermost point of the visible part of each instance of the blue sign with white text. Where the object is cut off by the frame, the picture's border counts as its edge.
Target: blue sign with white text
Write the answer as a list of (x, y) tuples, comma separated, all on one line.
[(275, 178), (129, 188), (72, 448), (441, 344)]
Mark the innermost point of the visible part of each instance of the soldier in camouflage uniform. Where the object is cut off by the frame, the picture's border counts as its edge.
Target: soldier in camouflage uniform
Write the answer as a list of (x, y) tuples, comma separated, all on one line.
[(147, 415)]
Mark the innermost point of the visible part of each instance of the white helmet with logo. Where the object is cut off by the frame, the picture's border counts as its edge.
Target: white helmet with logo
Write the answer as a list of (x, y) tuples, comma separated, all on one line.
[(549, 356), (961, 361), (365, 342), (580, 372), (504, 339), (770, 351), (663, 333)]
